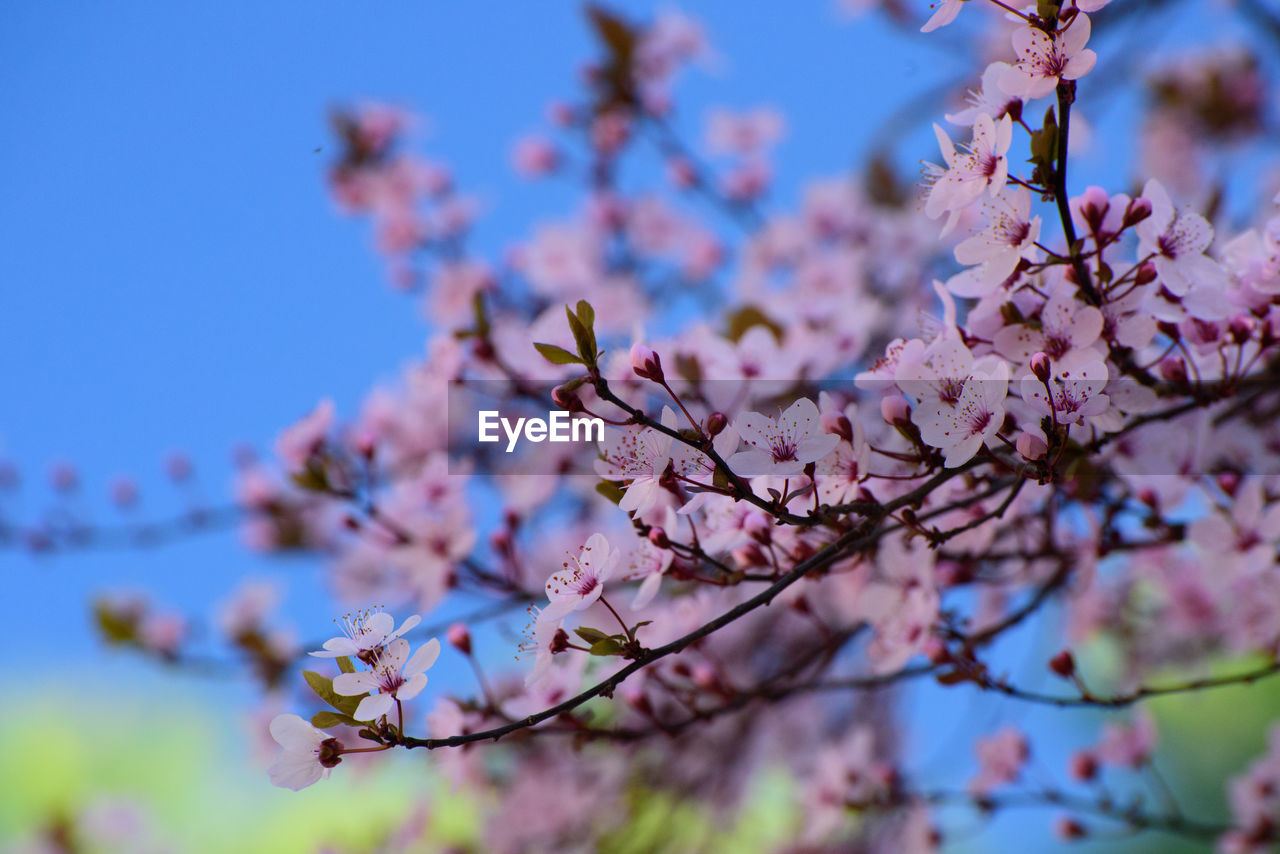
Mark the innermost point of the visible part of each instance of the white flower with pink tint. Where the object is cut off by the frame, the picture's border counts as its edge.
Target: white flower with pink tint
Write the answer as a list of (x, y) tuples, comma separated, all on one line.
[(307, 753), (982, 167), (1066, 326), (1045, 60), (364, 633), (1077, 382), (989, 99), (960, 429), (394, 675), (1009, 236), (1178, 241), (1244, 536), (1000, 760), (744, 134), (784, 445), (544, 638), (581, 582), (638, 456), (945, 13)]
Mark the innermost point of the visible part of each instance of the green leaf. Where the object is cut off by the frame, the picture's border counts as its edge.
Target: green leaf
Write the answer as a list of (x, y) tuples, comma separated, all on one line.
[(587, 317), (323, 686), (610, 489), (590, 635), (608, 646), (556, 355), (748, 316), (586, 340), (345, 664), (326, 720), (312, 478)]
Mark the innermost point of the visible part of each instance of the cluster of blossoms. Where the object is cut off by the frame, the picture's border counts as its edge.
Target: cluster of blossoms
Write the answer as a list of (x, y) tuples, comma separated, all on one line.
[(1085, 422)]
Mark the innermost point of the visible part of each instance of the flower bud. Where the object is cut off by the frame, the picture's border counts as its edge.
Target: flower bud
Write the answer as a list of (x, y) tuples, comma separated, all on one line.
[(1083, 765), (459, 636), (1040, 367), (658, 537), (124, 492), (1094, 205), (838, 423), (935, 649), (1146, 274), (704, 676), (1241, 328), (1138, 210), (1069, 829), (894, 409), (716, 422), (1063, 664), (1229, 482), (566, 399), (1031, 446), (1173, 369), (646, 363)]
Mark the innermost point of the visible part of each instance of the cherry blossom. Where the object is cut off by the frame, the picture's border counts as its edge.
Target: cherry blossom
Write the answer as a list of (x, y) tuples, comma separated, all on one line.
[(307, 754), (982, 167), (364, 633), (1178, 241), (961, 427), (782, 445), (393, 674), (1044, 60), (581, 582), (1010, 235), (1074, 388)]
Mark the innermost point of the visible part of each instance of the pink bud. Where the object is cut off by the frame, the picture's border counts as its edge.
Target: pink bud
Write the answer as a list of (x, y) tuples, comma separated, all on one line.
[(1069, 829), (1146, 274), (658, 537), (704, 676), (935, 649), (1031, 446), (1063, 664), (716, 422), (1241, 327), (646, 363), (894, 409), (1138, 210), (1040, 367), (459, 636), (1083, 765), (566, 399), (64, 477), (124, 492), (1173, 369)]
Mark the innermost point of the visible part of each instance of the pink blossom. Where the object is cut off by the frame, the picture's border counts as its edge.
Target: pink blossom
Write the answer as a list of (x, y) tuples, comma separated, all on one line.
[(1045, 60)]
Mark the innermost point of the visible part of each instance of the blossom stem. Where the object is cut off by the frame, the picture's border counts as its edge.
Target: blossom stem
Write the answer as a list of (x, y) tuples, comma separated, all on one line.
[(1066, 97), (618, 617)]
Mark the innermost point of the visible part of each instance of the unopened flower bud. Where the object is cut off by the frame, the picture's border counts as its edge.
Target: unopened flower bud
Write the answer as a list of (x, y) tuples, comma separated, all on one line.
[(704, 676), (1173, 369), (658, 537), (566, 399), (1083, 765), (1138, 210), (1031, 446), (1150, 498), (1063, 664), (935, 649), (894, 409), (1229, 482), (1146, 274), (1241, 328), (1069, 829), (838, 423), (646, 363), (124, 492), (459, 636), (1094, 205), (1040, 367), (716, 422)]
